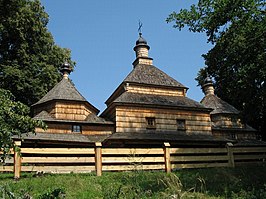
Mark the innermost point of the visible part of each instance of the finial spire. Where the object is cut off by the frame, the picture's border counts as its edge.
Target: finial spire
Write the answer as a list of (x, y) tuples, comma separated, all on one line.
[(66, 69), (142, 50), (207, 87), (139, 29)]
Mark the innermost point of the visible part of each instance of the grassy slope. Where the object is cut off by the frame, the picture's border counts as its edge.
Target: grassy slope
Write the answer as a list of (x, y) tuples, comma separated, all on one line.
[(242, 182)]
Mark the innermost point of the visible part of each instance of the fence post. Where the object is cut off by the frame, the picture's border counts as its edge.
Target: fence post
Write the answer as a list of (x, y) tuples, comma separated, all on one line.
[(167, 160), (230, 154), (98, 158), (17, 160)]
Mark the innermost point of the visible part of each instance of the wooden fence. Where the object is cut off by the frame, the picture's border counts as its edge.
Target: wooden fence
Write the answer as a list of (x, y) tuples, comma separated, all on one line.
[(77, 160)]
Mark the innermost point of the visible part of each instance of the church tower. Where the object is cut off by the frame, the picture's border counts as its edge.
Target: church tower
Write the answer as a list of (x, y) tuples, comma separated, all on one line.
[(150, 101)]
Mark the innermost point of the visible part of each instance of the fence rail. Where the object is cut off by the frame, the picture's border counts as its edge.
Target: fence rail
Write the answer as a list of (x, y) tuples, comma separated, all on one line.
[(79, 160)]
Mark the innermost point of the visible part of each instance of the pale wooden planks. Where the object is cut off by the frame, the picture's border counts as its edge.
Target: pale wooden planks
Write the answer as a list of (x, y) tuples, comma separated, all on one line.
[(132, 167), (58, 160), (132, 151), (121, 159), (58, 150), (132, 159), (6, 168), (59, 169)]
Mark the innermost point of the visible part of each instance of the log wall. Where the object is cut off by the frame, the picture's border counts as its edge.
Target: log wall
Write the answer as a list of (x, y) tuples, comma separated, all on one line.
[(155, 91), (134, 119), (70, 111), (227, 121)]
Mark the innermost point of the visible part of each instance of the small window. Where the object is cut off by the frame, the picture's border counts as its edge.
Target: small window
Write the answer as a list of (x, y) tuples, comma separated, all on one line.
[(181, 125), (233, 136), (151, 123), (76, 129)]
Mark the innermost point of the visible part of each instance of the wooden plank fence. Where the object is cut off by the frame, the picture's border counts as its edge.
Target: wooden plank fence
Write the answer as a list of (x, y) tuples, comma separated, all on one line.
[(98, 159)]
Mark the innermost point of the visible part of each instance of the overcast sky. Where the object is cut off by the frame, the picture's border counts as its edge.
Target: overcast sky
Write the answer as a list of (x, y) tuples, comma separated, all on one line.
[(101, 35)]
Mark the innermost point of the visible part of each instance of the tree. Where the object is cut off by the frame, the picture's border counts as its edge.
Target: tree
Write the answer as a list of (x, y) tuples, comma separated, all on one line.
[(14, 120), (29, 58), (237, 62), (29, 63)]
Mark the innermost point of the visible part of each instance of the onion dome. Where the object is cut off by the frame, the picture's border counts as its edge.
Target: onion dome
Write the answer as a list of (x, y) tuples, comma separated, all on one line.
[(141, 42), (66, 69)]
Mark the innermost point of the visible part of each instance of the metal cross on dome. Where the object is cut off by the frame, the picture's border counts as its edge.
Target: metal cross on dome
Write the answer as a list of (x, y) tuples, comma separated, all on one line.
[(140, 26)]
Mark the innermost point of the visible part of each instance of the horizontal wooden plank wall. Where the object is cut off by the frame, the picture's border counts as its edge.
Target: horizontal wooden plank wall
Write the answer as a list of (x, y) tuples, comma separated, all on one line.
[(198, 157), (134, 119), (79, 160), (132, 159), (58, 160), (246, 155)]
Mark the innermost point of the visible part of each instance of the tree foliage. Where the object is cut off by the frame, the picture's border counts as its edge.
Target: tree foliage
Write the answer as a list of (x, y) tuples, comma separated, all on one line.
[(14, 120), (29, 58), (237, 62), (29, 63)]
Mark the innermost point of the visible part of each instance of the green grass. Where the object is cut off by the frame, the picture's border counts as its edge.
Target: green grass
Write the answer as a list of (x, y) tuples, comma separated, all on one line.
[(239, 183)]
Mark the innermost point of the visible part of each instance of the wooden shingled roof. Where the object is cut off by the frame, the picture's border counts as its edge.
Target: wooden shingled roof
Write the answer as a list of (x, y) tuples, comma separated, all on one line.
[(63, 137), (165, 136), (218, 105), (159, 100), (151, 75), (64, 90)]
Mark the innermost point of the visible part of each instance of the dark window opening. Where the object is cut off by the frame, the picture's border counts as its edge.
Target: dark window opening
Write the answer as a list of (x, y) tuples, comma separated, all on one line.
[(76, 129), (151, 123), (233, 136), (181, 125)]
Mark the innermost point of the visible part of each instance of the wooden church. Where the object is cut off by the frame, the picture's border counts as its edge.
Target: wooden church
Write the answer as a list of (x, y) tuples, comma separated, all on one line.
[(148, 108)]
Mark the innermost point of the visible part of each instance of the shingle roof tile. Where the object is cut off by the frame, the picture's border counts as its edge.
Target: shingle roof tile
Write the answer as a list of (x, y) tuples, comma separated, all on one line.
[(218, 105), (64, 90), (162, 100), (149, 74)]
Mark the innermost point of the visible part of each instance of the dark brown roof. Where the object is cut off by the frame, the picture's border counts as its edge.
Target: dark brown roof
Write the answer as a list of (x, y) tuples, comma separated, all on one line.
[(91, 119), (63, 137), (159, 100), (218, 105), (244, 129), (149, 74), (64, 90), (164, 136)]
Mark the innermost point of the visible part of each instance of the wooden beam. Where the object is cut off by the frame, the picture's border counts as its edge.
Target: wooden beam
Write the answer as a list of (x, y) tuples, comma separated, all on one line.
[(58, 169), (132, 151), (58, 150), (17, 159), (58, 160), (231, 161), (98, 158), (183, 151), (167, 160)]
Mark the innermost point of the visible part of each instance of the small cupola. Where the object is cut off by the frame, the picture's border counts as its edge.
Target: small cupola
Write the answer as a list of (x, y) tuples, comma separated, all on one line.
[(207, 87), (141, 48), (66, 69), (142, 52)]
